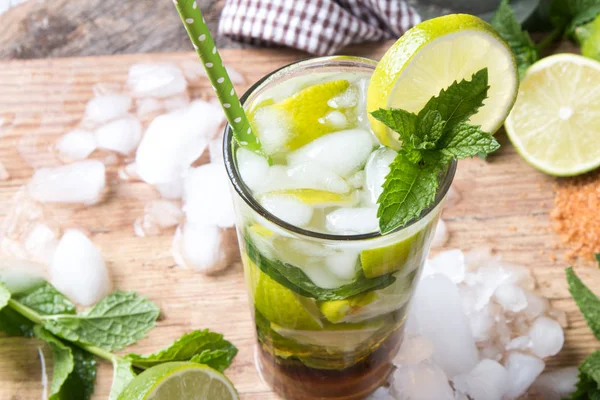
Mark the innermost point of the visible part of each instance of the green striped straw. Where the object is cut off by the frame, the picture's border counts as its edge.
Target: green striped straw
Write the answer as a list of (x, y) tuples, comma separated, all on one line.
[(194, 23)]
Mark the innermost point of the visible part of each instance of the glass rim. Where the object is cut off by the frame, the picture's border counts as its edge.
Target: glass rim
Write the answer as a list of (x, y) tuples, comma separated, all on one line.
[(246, 194)]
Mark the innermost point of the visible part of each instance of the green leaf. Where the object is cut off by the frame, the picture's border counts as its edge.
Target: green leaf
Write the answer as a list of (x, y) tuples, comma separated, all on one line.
[(597, 255), (570, 14), (459, 101), (80, 384), (505, 22), (587, 389), (116, 321), (429, 129), (204, 345), (46, 300), (408, 189), (62, 361), (400, 121), (14, 324), (588, 303), (296, 280), (468, 141), (591, 366), (4, 296), (122, 374)]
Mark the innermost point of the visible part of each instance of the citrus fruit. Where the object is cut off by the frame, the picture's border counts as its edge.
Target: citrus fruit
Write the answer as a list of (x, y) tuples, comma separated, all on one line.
[(386, 259), (430, 57), (555, 123), (316, 198), (180, 380)]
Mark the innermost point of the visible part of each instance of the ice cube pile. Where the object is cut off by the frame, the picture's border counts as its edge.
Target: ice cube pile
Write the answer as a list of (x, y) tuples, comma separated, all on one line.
[(147, 131), (477, 330)]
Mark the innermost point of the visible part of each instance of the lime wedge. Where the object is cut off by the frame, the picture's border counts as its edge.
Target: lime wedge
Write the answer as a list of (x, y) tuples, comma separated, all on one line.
[(434, 54), (279, 304), (337, 310), (555, 124), (384, 260), (180, 380), (316, 198)]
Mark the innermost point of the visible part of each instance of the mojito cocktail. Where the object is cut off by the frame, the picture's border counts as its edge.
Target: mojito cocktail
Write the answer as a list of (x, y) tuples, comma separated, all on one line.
[(329, 293)]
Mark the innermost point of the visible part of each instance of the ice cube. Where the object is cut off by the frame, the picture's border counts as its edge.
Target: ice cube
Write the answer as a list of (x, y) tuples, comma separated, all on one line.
[(148, 106), (481, 323), (334, 119), (76, 145), (414, 350), (510, 297), (200, 247), (78, 269), (519, 343), (235, 76), (522, 369), (357, 180), (347, 99), (252, 167), (377, 168), (441, 236), (215, 149), (176, 102), (347, 220), (381, 393), (478, 257), (105, 108), (171, 190), (121, 135), (40, 243), (450, 263), (207, 198), (312, 176), (343, 152), (342, 264), (158, 215), (547, 337), (519, 276), (174, 141), (272, 128), (156, 80), (21, 275), (491, 351), (288, 209), (437, 304), (193, 70), (536, 305), (80, 182), (421, 382), (487, 381), (557, 384)]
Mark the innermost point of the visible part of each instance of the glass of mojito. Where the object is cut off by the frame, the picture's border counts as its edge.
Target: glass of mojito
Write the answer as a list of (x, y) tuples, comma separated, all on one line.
[(329, 293)]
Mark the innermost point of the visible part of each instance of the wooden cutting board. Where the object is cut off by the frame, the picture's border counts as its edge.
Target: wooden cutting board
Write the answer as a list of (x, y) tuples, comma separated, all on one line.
[(504, 204)]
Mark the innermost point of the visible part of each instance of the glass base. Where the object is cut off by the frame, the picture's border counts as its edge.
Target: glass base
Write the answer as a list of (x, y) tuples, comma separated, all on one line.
[(294, 381)]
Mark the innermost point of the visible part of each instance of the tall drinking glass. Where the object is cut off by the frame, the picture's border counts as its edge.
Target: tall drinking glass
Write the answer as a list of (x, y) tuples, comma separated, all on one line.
[(328, 307)]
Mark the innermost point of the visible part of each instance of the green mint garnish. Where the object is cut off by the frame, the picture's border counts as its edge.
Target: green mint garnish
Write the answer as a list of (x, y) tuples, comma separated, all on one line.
[(505, 22), (570, 14), (430, 140), (118, 320)]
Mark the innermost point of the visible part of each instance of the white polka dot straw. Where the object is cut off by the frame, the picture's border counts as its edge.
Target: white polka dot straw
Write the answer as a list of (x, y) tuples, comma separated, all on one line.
[(215, 70)]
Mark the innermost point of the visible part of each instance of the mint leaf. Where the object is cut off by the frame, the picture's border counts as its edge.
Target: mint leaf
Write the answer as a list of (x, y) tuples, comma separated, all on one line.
[(400, 121), (296, 280), (588, 303), (14, 324), (505, 22), (570, 14), (468, 141), (62, 360), (204, 347), (430, 129), (459, 101), (408, 189), (4, 296), (46, 300), (122, 374), (587, 389), (591, 366), (116, 321), (80, 383)]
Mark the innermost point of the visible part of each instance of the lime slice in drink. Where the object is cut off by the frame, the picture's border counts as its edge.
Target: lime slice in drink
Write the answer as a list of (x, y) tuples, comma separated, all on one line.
[(343, 337), (316, 198), (180, 380), (434, 54), (337, 310), (299, 119), (279, 304), (384, 260), (555, 124)]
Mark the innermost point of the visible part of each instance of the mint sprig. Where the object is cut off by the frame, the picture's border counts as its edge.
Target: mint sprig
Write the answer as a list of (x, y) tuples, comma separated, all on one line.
[(75, 340), (569, 14), (430, 140)]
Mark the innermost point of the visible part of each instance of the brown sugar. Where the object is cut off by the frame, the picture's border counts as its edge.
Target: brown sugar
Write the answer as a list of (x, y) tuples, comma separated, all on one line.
[(576, 215)]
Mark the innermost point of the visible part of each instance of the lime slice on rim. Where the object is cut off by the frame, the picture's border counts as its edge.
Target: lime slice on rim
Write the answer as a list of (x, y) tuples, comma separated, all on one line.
[(434, 54), (180, 380), (555, 124)]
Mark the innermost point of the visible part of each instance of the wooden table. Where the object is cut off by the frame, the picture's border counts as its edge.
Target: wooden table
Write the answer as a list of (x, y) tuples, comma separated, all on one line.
[(505, 205)]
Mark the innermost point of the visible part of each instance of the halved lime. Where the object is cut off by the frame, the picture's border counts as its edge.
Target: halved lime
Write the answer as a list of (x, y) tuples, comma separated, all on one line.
[(180, 380), (386, 259), (434, 54), (316, 198), (555, 123)]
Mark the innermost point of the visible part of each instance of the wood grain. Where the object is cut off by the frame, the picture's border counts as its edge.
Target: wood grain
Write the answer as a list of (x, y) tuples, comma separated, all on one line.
[(504, 204)]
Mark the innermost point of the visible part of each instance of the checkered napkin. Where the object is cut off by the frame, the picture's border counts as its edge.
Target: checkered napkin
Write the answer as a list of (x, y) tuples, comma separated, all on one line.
[(319, 27)]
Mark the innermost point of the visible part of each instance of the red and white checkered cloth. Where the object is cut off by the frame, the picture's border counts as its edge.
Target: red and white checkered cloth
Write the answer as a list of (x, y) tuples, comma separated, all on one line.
[(320, 27)]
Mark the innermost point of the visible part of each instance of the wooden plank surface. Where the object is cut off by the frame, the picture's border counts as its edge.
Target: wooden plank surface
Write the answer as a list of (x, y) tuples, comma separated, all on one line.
[(504, 204)]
